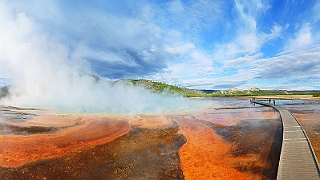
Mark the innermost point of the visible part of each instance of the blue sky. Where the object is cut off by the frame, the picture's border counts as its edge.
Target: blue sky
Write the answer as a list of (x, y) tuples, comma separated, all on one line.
[(204, 44)]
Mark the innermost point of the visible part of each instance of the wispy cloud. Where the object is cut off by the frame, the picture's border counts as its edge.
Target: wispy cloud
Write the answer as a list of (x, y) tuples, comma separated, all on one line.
[(302, 38), (291, 65), (194, 17), (299, 60), (316, 10)]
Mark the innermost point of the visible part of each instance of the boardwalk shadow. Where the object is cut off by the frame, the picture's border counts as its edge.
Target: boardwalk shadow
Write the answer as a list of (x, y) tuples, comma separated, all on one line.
[(270, 172)]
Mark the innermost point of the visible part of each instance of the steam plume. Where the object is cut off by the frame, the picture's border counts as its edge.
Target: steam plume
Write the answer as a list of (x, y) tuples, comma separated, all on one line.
[(45, 73)]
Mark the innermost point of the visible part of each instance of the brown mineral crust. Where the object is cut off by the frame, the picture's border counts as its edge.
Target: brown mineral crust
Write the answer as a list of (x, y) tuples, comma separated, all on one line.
[(203, 155), (16, 150), (311, 125)]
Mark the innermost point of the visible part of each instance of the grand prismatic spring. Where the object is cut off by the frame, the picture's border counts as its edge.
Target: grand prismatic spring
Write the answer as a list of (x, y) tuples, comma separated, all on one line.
[(231, 139), (72, 105)]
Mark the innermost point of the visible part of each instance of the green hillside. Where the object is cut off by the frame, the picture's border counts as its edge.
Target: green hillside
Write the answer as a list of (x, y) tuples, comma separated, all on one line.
[(159, 87)]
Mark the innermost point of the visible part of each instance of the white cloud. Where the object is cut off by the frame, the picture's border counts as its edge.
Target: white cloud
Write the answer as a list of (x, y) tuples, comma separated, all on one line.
[(249, 11), (215, 82), (247, 40), (248, 43), (242, 62), (302, 38), (206, 70), (174, 35), (181, 48), (301, 88), (276, 32), (192, 64), (316, 10), (201, 58), (83, 52), (301, 66), (176, 7), (244, 45), (193, 17), (248, 20)]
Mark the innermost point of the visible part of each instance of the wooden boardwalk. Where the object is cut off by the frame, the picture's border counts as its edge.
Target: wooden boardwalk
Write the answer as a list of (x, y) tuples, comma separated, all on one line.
[(297, 159)]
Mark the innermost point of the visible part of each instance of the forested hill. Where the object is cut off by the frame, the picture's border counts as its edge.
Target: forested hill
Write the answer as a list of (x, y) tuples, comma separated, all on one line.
[(159, 87)]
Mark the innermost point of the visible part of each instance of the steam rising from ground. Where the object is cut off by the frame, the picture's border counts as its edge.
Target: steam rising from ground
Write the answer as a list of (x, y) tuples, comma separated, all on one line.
[(47, 74)]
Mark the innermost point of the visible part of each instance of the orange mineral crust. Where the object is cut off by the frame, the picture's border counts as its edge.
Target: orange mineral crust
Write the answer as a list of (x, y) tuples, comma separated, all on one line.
[(202, 157), (43, 138)]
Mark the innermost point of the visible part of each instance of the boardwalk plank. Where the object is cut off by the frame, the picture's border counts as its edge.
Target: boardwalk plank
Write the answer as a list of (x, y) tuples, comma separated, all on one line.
[(297, 159)]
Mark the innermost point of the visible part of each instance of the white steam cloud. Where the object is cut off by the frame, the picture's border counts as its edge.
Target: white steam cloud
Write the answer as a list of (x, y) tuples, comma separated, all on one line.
[(46, 74)]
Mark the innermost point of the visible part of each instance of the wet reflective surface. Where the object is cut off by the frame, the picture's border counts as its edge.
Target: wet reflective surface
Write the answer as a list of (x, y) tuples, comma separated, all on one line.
[(230, 138)]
